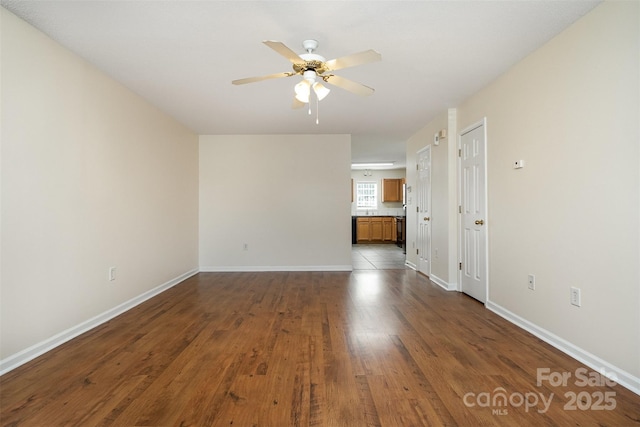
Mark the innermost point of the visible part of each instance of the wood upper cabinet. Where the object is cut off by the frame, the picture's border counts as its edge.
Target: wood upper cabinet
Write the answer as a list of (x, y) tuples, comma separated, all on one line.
[(392, 189)]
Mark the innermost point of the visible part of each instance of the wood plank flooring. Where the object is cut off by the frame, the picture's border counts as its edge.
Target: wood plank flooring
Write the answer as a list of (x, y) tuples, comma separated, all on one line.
[(366, 348)]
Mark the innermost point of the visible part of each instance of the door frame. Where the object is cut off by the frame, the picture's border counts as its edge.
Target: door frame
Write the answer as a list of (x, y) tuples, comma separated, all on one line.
[(418, 189), (483, 123)]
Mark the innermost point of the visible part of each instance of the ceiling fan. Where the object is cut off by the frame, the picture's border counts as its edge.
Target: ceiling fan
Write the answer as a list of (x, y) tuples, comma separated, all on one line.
[(311, 66)]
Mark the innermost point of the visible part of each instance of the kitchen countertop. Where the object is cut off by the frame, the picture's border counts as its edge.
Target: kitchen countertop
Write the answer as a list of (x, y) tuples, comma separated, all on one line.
[(378, 216)]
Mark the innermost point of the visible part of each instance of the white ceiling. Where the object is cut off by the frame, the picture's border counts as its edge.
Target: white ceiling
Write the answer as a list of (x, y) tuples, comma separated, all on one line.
[(182, 56)]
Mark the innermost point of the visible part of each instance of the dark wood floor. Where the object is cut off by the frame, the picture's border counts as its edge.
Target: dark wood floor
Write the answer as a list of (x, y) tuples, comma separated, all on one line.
[(366, 348)]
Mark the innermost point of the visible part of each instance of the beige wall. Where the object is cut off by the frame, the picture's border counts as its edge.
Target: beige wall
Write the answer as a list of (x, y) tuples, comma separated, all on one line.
[(571, 216), (92, 177), (286, 196), (570, 111)]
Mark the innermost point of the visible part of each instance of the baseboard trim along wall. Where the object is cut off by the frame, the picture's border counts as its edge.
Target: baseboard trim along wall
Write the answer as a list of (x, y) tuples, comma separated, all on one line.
[(597, 364), (39, 349), (443, 283), (258, 268)]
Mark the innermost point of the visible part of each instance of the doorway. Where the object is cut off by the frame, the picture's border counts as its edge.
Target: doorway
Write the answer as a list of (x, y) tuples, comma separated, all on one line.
[(423, 187), (473, 212)]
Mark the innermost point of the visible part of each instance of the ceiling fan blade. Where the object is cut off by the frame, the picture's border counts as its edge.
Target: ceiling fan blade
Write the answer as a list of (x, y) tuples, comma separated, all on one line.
[(259, 79), (353, 60), (284, 51), (346, 84)]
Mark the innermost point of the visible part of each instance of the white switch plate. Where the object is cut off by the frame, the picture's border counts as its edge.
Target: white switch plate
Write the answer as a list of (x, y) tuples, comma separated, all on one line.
[(112, 274), (575, 296), (518, 164), (532, 282)]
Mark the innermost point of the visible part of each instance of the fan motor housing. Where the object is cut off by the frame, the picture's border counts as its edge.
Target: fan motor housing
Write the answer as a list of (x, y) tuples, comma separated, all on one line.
[(318, 66), (313, 62)]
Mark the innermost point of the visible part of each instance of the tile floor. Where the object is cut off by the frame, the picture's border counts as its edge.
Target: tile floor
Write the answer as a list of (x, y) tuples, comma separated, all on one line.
[(382, 256)]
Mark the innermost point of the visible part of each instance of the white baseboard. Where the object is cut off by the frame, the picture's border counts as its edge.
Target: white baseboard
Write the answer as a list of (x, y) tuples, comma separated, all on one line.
[(443, 283), (252, 268), (40, 348), (597, 364), (410, 265)]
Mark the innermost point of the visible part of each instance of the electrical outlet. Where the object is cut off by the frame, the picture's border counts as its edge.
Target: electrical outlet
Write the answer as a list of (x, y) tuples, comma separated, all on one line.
[(575, 296), (532, 282), (112, 274)]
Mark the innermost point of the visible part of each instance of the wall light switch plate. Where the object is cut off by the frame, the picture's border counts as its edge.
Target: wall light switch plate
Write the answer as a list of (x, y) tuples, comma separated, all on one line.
[(575, 296)]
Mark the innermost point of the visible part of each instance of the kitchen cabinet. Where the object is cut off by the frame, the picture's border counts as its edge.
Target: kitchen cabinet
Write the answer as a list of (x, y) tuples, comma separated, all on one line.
[(363, 227), (392, 189), (375, 229), (394, 229), (387, 229)]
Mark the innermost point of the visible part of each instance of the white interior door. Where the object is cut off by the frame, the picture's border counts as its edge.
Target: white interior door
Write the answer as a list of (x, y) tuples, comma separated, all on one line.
[(423, 187), (473, 220)]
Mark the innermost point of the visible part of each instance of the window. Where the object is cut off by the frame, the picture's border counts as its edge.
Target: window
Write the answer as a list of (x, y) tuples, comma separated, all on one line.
[(366, 195)]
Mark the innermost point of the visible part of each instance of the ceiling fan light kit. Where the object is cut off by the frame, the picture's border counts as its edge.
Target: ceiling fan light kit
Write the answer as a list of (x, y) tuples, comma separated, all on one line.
[(302, 91), (310, 65)]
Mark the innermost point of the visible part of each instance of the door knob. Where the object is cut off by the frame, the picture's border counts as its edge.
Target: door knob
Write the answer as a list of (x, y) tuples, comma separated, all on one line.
[(426, 218), (479, 222)]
